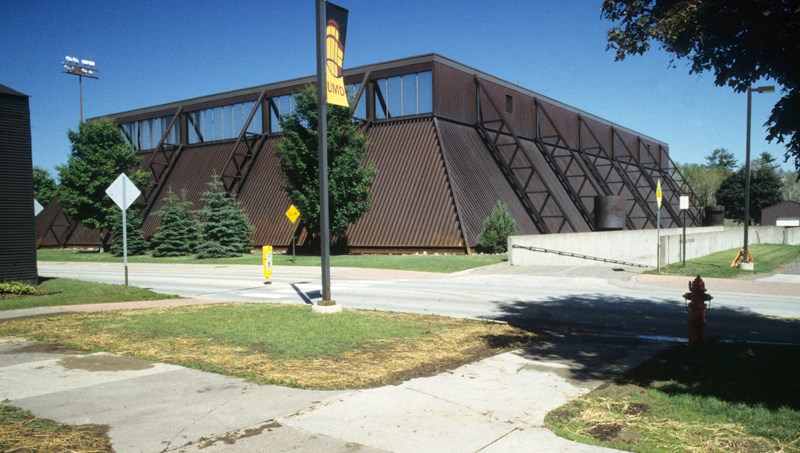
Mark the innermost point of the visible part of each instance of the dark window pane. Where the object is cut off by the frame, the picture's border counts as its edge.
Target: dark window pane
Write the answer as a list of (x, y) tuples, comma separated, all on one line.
[(409, 83), (394, 101), (424, 92)]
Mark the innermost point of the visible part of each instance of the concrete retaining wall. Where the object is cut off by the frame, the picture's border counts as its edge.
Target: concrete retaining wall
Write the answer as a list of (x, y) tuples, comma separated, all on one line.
[(639, 247)]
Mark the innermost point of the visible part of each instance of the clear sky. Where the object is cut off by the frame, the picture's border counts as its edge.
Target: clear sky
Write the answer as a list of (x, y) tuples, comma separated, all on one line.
[(150, 52)]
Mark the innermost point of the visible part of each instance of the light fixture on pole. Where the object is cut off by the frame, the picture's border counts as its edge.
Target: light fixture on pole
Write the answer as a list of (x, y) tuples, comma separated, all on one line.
[(746, 264), (81, 68)]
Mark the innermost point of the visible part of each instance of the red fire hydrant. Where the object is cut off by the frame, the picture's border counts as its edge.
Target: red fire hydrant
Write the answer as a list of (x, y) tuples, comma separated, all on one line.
[(697, 309)]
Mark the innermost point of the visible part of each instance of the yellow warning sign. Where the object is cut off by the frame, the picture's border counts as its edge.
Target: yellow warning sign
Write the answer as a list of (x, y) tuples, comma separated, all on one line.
[(292, 213), (658, 194)]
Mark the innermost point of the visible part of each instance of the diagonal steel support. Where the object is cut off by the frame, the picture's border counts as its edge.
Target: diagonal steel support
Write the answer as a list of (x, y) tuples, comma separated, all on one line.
[(160, 164), (561, 159), (244, 152), (518, 166)]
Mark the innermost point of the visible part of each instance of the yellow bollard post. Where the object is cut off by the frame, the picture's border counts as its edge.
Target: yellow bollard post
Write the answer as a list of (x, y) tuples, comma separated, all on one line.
[(266, 252)]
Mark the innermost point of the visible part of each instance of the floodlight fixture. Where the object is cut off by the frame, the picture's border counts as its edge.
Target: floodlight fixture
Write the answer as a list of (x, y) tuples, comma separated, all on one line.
[(81, 68)]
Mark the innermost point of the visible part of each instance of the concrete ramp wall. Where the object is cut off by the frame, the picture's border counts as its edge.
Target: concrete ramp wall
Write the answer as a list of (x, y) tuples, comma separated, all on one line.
[(639, 247)]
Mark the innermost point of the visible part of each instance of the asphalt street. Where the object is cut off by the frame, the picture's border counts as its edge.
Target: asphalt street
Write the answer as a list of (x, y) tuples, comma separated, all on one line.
[(594, 323), (598, 301)]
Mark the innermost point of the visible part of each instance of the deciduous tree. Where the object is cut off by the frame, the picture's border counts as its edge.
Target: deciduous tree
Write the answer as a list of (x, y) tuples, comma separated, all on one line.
[(99, 155), (349, 178), (44, 186), (741, 42)]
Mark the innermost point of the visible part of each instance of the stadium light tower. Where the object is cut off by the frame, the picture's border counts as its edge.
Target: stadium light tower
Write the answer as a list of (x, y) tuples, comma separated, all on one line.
[(80, 68)]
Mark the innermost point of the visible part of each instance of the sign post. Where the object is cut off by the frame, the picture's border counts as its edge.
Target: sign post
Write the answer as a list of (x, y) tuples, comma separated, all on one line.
[(123, 191), (292, 214), (658, 226), (684, 208)]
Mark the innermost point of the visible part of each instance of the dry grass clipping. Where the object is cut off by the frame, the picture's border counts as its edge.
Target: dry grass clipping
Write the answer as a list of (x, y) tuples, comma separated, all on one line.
[(620, 420), (22, 431), (379, 363)]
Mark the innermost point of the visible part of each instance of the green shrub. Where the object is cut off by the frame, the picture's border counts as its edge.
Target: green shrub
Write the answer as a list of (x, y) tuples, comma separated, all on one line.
[(496, 229), (17, 288)]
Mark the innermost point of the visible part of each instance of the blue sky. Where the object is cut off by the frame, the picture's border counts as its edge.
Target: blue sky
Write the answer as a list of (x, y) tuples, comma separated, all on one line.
[(151, 52)]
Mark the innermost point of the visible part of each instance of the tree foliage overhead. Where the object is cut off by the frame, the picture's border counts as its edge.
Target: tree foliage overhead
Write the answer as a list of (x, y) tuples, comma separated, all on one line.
[(348, 180), (99, 155), (741, 42), (44, 186)]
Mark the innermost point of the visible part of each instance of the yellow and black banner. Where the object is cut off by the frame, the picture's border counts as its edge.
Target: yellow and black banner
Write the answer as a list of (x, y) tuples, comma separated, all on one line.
[(335, 34)]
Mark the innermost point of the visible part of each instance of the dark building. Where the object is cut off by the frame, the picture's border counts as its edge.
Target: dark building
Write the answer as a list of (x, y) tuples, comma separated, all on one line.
[(447, 141), (17, 230), (787, 212)]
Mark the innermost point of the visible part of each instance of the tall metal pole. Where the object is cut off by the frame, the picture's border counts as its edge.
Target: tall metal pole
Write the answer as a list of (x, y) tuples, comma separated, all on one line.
[(80, 94), (322, 131), (745, 250)]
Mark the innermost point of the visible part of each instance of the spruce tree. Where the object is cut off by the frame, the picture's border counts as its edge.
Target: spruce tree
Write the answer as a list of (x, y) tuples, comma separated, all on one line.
[(496, 229), (180, 230), (226, 229), (137, 244)]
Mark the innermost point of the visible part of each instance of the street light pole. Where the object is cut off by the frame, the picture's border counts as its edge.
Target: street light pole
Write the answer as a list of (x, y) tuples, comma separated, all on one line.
[(746, 264)]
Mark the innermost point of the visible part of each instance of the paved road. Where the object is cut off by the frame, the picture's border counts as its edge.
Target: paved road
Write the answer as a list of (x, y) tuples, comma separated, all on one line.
[(593, 319), (588, 300)]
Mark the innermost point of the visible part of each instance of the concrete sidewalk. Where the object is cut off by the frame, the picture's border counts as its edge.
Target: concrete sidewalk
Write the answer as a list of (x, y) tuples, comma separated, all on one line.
[(497, 404)]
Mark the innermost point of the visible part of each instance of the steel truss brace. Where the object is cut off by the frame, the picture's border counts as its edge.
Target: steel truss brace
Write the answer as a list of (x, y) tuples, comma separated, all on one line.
[(244, 153), (555, 150), (160, 164), (614, 166), (519, 168), (677, 183), (643, 187)]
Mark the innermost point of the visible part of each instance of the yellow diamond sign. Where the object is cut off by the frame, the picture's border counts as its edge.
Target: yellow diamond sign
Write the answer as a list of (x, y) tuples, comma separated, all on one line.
[(292, 213), (658, 193)]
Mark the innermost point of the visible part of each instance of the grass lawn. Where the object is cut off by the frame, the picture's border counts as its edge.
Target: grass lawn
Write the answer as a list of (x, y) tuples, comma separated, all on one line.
[(22, 431), (767, 258), (282, 344), (425, 263), (63, 291), (723, 397)]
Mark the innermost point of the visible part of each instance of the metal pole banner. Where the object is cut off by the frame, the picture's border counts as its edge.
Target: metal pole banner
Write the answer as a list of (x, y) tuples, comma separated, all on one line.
[(335, 35)]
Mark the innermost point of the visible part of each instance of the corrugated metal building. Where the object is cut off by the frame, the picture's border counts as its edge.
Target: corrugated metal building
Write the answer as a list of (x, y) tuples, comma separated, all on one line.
[(447, 141), (786, 211), (17, 231)]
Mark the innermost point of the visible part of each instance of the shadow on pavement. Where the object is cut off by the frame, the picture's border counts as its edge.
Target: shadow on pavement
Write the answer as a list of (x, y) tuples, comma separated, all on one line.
[(599, 336)]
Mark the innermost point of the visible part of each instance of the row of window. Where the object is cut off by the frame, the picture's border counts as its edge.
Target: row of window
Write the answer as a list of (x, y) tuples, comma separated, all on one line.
[(222, 123), (409, 94)]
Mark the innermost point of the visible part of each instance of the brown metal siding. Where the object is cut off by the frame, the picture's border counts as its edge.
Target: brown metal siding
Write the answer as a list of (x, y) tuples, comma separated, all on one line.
[(771, 214), (412, 206), (192, 172), (477, 181), (453, 94), (264, 200), (17, 228)]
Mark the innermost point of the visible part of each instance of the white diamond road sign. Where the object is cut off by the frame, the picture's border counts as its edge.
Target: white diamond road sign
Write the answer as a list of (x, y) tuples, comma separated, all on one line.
[(123, 191)]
